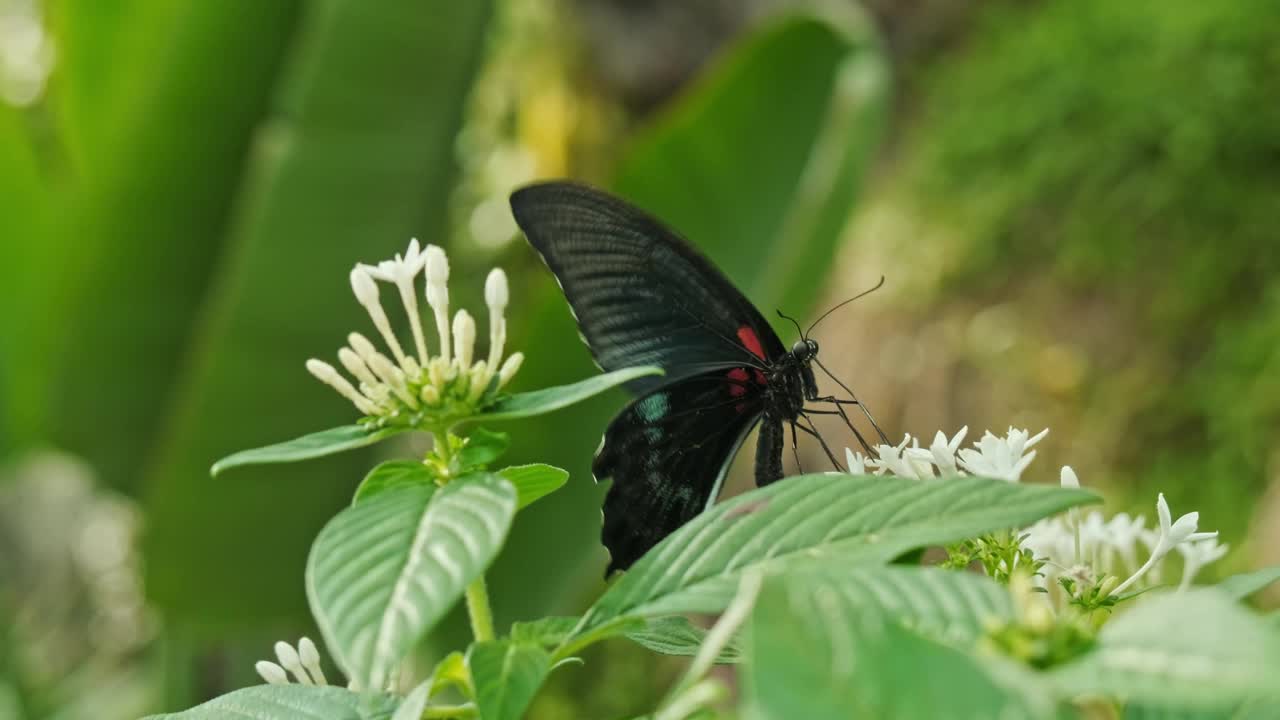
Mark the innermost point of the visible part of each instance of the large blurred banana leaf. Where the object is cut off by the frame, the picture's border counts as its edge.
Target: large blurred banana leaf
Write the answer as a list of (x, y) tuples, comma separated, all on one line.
[(758, 164), (355, 155), (150, 201), (184, 206)]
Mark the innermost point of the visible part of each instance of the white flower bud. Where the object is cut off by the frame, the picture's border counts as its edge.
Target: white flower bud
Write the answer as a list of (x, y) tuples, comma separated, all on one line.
[(509, 368), (437, 265), (325, 373), (289, 659), (366, 291), (354, 365), (496, 296), (272, 673), (495, 290), (1068, 477), (464, 337), (438, 294), (479, 380), (362, 284), (394, 379), (310, 658), (429, 394)]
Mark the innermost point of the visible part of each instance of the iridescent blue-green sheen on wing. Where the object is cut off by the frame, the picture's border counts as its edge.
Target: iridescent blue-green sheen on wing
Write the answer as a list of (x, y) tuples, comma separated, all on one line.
[(667, 453)]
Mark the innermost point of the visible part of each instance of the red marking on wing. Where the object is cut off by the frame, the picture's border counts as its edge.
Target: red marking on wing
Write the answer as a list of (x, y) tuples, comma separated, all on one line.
[(751, 341), (760, 377), (738, 376)]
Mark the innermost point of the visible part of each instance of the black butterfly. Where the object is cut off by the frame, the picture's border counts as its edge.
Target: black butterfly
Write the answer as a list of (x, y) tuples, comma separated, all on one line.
[(644, 296)]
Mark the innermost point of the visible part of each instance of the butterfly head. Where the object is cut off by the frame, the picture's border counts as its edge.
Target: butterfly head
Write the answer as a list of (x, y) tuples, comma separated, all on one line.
[(804, 350)]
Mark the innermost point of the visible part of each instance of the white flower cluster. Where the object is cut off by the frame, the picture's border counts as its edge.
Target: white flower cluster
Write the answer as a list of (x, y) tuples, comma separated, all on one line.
[(995, 457), (303, 663), (1087, 548), (1092, 547), (416, 382)]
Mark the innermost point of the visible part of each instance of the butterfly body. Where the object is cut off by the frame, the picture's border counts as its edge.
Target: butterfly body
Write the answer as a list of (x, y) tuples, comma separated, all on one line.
[(643, 296)]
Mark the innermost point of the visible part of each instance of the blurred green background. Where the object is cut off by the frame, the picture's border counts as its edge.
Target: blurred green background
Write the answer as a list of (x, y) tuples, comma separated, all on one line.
[(1074, 202)]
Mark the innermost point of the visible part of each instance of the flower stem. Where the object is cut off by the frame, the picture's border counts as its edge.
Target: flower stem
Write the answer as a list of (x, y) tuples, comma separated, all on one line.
[(477, 594), (478, 610), (450, 711)]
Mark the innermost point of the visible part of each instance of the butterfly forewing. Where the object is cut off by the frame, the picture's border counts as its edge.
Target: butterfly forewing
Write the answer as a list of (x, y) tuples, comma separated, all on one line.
[(667, 453), (641, 294)]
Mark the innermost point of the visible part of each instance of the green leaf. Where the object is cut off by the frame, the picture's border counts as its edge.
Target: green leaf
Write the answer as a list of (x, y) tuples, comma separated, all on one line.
[(483, 447), (1254, 710), (676, 635), (1243, 585), (817, 518), (145, 211), (507, 674), (947, 606), (548, 631), (1221, 654), (765, 187), (353, 155), (534, 481), (307, 447), (814, 652), (393, 474), (383, 572), (291, 702), (416, 702), (540, 402)]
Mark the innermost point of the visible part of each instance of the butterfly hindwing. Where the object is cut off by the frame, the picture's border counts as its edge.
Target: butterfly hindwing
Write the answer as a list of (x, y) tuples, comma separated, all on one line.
[(640, 293), (667, 454)]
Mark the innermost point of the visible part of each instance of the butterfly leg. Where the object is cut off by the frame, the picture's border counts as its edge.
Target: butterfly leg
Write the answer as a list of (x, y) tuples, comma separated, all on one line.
[(844, 416), (795, 449), (852, 401), (811, 430)]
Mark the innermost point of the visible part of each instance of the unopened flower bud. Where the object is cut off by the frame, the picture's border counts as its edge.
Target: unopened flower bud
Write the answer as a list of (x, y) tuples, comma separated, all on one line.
[(495, 290), (509, 368), (272, 673), (464, 337), (325, 373)]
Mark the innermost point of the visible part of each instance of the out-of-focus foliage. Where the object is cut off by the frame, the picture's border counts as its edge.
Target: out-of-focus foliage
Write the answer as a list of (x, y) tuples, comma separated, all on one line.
[(1113, 169)]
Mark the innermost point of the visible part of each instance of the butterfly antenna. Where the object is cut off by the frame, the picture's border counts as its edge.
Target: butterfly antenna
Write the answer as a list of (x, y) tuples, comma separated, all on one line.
[(842, 304), (883, 438), (795, 322)]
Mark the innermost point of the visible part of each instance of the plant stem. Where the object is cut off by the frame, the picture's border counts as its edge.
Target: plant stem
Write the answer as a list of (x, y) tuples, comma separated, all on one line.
[(477, 594), (478, 610), (450, 711)]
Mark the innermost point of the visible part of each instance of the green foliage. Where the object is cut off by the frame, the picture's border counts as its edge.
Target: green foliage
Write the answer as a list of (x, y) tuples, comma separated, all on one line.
[(384, 571), (482, 446), (393, 474), (507, 674), (339, 160), (306, 447), (810, 519), (534, 481), (291, 702), (815, 652), (675, 635), (1221, 655), (539, 402), (1243, 585), (1120, 149), (999, 554)]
